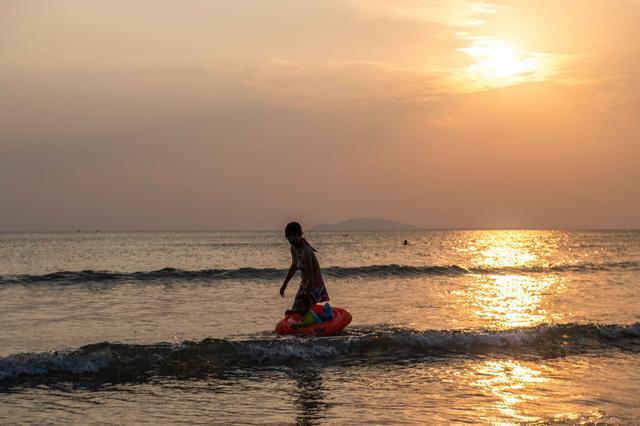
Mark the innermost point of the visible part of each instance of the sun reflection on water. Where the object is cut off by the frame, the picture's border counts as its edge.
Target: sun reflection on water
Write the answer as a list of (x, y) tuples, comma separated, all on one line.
[(497, 249), (509, 297), (513, 300), (527, 392), (507, 255), (512, 383)]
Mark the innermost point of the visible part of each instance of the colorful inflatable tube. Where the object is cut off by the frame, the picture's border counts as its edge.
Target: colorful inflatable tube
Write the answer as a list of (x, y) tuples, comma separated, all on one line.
[(341, 319)]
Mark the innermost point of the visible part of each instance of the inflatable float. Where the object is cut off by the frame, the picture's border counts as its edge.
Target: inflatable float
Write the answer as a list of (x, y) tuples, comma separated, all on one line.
[(341, 319)]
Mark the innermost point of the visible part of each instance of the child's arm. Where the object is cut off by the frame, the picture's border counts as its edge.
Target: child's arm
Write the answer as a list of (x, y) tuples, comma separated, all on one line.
[(292, 270)]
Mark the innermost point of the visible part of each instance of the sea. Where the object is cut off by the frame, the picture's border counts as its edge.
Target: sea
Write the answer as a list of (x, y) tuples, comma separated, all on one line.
[(481, 327)]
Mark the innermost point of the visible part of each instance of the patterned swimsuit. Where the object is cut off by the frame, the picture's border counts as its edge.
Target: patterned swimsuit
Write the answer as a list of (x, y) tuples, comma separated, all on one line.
[(317, 291)]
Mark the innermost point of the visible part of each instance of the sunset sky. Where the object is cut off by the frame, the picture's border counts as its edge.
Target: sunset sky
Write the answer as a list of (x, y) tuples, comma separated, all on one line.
[(196, 114)]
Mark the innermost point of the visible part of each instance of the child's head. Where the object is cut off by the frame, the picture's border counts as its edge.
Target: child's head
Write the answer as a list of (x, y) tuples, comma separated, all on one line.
[(293, 232)]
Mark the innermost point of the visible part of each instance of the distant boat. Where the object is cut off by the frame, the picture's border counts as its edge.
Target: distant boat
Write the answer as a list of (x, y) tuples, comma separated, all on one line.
[(364, 224)]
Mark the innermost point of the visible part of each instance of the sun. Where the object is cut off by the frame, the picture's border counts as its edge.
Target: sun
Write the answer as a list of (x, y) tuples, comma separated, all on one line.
[(497, 63)]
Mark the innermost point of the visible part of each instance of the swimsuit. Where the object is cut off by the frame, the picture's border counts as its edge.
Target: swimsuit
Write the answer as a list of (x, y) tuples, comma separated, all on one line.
[(317, 291)]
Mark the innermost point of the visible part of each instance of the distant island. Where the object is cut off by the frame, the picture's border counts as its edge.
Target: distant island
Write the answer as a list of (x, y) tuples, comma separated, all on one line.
[(364, 224)]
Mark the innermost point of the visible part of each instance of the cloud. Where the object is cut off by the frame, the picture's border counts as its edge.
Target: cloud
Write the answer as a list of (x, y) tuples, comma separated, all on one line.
[(348, 82), (455, 13), (343, 82), (496, 64)]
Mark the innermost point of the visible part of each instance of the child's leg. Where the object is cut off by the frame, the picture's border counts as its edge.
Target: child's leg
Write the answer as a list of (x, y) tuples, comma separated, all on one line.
[(299, 306)]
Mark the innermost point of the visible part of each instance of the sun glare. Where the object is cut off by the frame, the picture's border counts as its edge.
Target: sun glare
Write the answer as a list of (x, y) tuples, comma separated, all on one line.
[(497, 63)]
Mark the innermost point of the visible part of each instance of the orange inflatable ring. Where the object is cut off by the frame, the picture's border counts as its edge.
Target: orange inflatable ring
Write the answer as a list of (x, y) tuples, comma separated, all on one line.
[(341, 319)]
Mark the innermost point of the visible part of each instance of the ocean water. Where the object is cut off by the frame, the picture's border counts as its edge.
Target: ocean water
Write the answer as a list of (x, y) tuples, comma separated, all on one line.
[(496, 327)]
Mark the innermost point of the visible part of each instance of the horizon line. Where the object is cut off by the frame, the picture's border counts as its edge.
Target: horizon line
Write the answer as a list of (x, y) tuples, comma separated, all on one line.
[(87, 231)]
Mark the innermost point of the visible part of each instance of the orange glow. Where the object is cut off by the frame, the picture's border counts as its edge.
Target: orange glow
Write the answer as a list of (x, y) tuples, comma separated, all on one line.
[(497, 63)]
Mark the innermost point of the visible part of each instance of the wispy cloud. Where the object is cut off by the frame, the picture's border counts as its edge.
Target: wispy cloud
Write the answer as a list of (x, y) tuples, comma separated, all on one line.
[(342, 82), (455, 13)]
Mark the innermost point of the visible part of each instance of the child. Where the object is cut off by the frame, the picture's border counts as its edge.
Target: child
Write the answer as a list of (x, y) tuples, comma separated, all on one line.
[(303, 258)]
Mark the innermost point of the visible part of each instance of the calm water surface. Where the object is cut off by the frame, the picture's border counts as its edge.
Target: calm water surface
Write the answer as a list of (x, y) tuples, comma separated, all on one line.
[(466, 326)]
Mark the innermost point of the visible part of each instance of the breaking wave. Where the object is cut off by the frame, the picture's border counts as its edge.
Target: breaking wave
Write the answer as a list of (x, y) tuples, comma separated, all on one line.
[(371, 271), (118, 362)]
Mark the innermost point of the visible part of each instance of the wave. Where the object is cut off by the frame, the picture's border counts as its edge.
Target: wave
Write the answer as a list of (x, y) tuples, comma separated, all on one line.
[(563, 267), (371, 271), (71, 277), (118, 362)]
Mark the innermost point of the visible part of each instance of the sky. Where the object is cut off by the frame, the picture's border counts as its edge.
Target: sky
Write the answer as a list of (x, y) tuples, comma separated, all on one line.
[(243, 115)]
